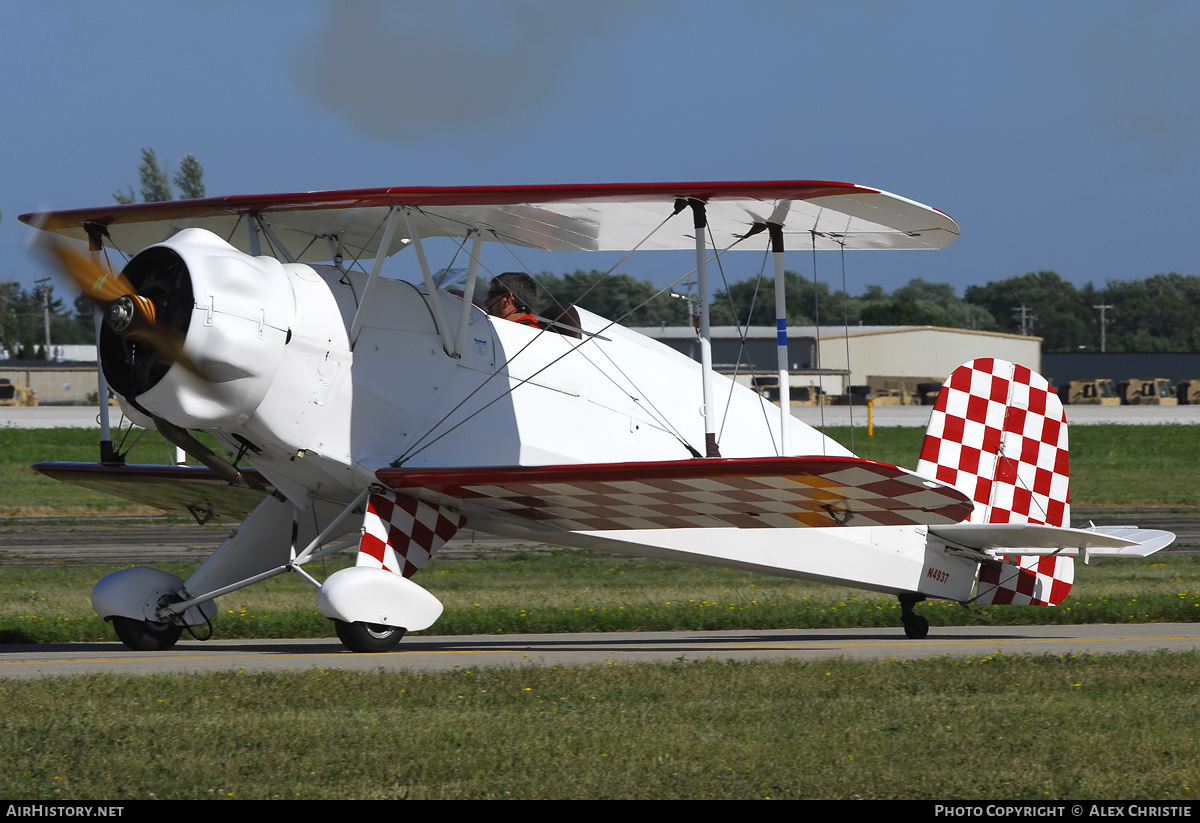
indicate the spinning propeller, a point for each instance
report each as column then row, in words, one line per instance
column 146, row 313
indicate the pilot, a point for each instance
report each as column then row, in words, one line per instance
column 511, row 296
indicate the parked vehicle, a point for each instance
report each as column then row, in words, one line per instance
column 1188, row 392
column 1090, row 393
column 1148, row 391
column 12, row 394
column 800, row 395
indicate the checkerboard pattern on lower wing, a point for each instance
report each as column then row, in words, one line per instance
column 401, row 533
column 998, row 433
column 780, row 493
column 1025, row 581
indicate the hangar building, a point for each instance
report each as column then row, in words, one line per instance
column 819, row 356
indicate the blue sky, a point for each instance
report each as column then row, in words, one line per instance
column 1060, row 135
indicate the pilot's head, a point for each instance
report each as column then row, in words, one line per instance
column 513, row 292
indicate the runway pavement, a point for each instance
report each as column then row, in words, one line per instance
column 918, row 416
column 53, row 417
column 447, row 653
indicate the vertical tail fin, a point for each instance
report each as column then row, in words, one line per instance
column 998, row 433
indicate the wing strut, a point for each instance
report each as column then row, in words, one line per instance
column 435, row 302
column 775, row 231
column 360, row 312
column 700, row 222
column 95, row 233
column 464, row 318
column 252, row 233
column 276, row 243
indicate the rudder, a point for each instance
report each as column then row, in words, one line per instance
column 998, row 433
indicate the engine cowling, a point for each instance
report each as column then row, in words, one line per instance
column 233, row 312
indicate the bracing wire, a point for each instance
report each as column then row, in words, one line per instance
column 742, row 349
column 233, row 231
column 120, row 449
column 307, row 246
column 603, row 276
column 266, row 236
column 418, row 446
column 660, row 418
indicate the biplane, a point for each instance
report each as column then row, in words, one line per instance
column 382, row 416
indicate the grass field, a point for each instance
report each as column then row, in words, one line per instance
column 1122, row 466
column 25, row 493
column 981, row 728
column 986, row 728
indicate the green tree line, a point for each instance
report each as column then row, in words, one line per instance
column 1156, row 314
column 23, row 312
column 22, row 321
column 156, row 183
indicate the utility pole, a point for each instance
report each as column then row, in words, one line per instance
column 693, row 308
column 1103, row 307
column 1026, row 317
column 46, row 310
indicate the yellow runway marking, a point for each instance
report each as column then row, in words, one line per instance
column 567, row 646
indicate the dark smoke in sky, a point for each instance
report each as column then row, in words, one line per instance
column 403, row 71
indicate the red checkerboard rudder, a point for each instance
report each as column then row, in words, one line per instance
column 1025, row 581
column 998, row 433
column 400, row 534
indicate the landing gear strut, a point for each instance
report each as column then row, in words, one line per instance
column 916, row 627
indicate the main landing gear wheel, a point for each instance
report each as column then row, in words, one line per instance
column 144, row 636
column 916, row 627
column 368, row 637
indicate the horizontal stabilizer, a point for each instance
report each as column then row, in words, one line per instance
column 1145, row 541
column 1016, row 539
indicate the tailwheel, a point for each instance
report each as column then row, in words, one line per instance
column 146, row 636
column 916, row 627
column 368, row 638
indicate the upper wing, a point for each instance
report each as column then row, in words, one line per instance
column 770, row 492
column 314, row 226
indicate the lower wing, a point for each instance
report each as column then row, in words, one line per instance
column 768, row 492
column 194, row 489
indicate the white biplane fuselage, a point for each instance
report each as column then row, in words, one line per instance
column 331, row 416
